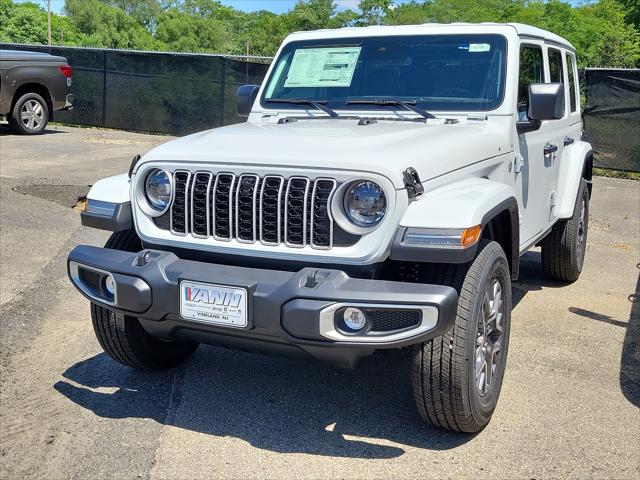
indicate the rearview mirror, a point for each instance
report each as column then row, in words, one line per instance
column 246, row 97
column 546, row 101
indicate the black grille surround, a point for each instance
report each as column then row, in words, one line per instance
column 272, row 210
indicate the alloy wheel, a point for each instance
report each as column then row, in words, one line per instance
column 489, row 337
column 581, row 231
column 32, row 114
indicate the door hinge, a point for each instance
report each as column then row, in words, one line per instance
column 552, row 199
column 518, row 163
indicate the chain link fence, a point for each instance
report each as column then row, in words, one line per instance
column 152, row 91
column 612, row 117
column 180, row 93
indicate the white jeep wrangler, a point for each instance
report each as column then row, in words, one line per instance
column 379, row 196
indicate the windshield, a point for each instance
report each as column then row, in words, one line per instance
column 437, row 72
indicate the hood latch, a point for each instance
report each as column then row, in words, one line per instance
column 412, row 182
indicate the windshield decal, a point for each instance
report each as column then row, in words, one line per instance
column 323, row 67
column 479, row 47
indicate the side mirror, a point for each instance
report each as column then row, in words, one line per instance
column 246, row 97
column 546, row 101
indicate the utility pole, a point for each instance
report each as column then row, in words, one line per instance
column 49, row 21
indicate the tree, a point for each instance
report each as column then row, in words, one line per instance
column 111, row 26
column 27, row 23
column 604, row 32
column 374, row 11
column 145, row 12
column 632, row 7
column 184, row 32
column 310, row 15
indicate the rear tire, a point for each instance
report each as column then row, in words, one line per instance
column 30, row 114
column 124, row 338
column 457, row 377
column 563, row 249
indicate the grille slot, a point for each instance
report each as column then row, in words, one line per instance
column 223, row 206
column 246, row 194
column 321, row 221
column 272, row 210
column 178, row 223
column 295, row 212
column 199, row 201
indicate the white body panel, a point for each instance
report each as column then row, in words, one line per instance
column 457, row 205
column 111, row 189
column 467, row 166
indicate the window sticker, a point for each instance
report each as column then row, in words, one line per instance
column 323, row 67
column 479, row 47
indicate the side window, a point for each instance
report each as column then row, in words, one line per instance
column 572, row 82
column 531, row 71
column 555, row 66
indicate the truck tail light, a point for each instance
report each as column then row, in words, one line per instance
column 66, row 70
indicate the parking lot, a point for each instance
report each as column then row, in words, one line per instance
column 569, row 405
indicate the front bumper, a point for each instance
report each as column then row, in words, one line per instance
column 290, row 313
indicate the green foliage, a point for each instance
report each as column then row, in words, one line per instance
column 188, row 32
column 632, row 9
column 374, row 12
column 27, row 23
column 110, row 26
column 604, row 32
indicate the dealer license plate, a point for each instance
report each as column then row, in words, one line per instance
column 215, row 304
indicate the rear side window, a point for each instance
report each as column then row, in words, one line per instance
column 531, row 71
column 572, row 83
column 555, row 66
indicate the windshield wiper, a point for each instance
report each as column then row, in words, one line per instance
column 409, row 104
column 305, row 101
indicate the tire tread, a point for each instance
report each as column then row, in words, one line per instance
column 123, row 338
column 439, row 366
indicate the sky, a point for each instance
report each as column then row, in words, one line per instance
column 276, row 6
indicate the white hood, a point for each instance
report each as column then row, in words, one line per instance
column 387, row 147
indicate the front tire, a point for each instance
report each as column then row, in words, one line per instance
column 30, row 114
column 457, row 377
column 124, row 338
column 563, row 249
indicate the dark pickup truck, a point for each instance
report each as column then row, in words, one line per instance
column 32, row 86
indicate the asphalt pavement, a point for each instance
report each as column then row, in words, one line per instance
column 570, row 403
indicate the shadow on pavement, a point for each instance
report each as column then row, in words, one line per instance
column 531, row 278
column 7, row 130
column 275, row 404
column 630, row 361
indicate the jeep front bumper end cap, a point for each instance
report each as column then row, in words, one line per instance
column 312, row 311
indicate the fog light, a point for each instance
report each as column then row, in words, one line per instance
column 110, row 284
column 354, row 318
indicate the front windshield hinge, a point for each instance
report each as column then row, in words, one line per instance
column 412, row 182
column 367, row 121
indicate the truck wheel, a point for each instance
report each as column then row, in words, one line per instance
column 564, row 247
column 124, row 338
column 457, row 377
column 30, row 114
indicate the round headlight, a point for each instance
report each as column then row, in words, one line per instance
column 157, row 188
column 365, row 203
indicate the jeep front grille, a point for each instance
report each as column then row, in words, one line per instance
column 271, row 209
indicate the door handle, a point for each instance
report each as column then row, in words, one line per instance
column 568, row 141
column 549, row 149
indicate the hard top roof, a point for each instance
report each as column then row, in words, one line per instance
column 443, row 28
